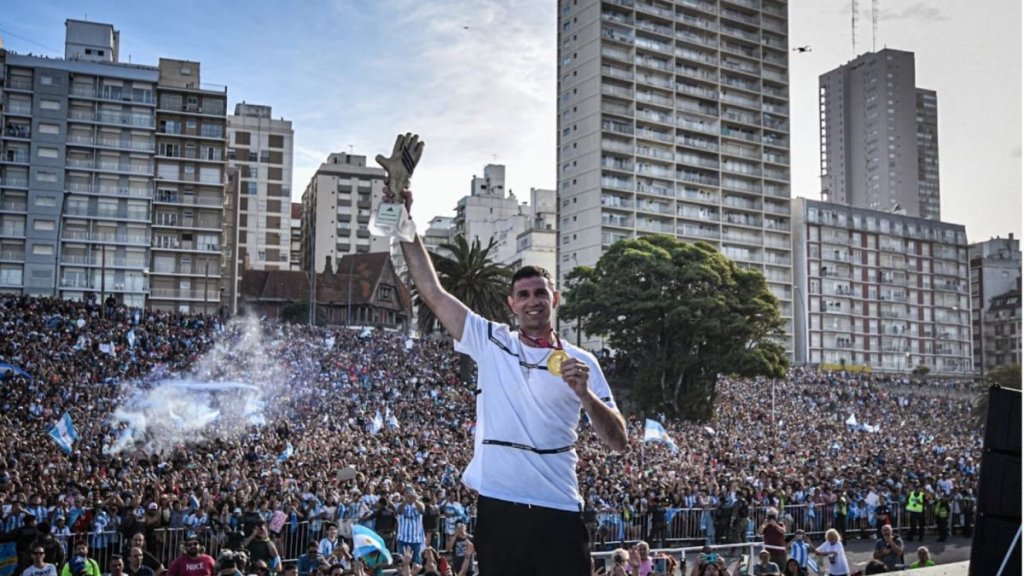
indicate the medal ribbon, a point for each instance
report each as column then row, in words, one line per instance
column 541, row 342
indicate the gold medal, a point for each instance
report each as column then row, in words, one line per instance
column 555, row 360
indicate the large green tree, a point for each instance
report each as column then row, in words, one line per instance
column 679, row 314
column 469, row 273
column 1007, row 376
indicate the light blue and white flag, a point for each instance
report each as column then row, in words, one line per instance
column 64, row 433
column 655, row 432
column 377, row 423
column 287, row 452
column 366, row 542
column 391, row 419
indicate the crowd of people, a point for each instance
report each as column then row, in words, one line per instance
column 359, row 423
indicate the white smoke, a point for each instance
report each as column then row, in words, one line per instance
column 223, row 398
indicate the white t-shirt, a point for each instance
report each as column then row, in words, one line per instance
column 836, row 564
column 526, row 419
column 46, row 570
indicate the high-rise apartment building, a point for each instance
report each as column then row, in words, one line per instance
column 188, row 207
column 1001, row 330
column 111, row 177
column 261, row 148
column 880, row 291
column 673, row 118
column 336, row 209
column 535, row 242
column 995, row 271
column 490, row 212
column 296, row 234
column 879, row 136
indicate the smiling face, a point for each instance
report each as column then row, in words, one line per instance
column 532, row 301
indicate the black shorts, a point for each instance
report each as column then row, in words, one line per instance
column 522, row 540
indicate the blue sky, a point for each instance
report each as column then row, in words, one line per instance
column 477, row 79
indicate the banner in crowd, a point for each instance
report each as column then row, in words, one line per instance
column 286, row 453
column 5, row 367
column 64, row 433
column 655, row 432
column 8, row 558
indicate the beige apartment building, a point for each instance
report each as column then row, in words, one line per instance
column 188, row 207
column 336, row 208
column 261, row 148
column 673, row 118
column 880, row 291
column 995, row 275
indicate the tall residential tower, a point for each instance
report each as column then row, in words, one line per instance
column 111, row 176
column 879, row 136
column 673, row 118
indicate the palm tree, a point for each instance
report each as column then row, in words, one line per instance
column 471, row 275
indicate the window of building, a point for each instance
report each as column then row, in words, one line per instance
column 51, row 129
column 44, row 225
column 48, row 104
column 44, row 152
column 43, row 249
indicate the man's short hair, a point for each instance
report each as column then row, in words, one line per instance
column 529, row 271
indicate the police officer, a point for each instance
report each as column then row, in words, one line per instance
column 915, row 508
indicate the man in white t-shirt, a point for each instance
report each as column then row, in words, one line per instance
column 531, row 389
column 39, row 565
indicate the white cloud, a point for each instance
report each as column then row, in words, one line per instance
column 475, row 79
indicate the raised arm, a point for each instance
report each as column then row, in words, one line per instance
column 399, row 166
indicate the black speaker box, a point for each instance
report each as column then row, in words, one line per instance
column 998, row 522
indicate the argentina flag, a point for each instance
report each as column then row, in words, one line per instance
column 655, row 432
column 366, row 542
column 64, row 433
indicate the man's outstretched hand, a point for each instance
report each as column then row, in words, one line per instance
column 400, row 165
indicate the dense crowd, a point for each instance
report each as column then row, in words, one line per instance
column 354, row 419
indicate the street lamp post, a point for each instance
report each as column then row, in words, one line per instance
column 103, row 281
column 206, row 287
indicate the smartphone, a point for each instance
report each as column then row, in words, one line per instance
column 600, row 563
column 660, row 565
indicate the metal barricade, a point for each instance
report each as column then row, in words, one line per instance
column 683, row 526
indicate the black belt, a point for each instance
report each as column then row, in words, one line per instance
column 518, row 446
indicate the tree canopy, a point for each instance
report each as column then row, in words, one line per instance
column 1007, row 376
column 470, row 274
column 678, row 314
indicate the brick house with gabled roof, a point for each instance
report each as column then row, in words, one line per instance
column 362, row 290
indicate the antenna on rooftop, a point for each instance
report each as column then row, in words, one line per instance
column 874, row 23
column 853, row 25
